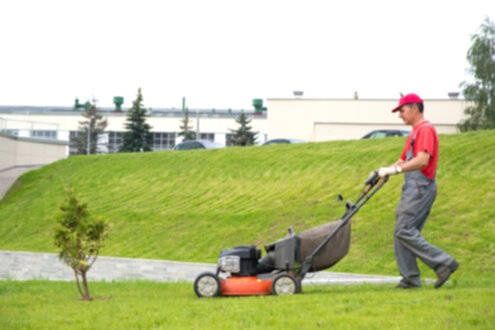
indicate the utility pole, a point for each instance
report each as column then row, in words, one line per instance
column 197, row 124
column 88, row 133
column 186, row 123
column 90, row 122
column 88, row 139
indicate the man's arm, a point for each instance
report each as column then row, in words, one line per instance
column 416, row 163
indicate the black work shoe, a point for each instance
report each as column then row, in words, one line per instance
column 406, row 285
column 444, row 272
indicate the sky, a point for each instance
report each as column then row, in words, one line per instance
column 223, row 53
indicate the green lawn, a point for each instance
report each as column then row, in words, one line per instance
column 190, row 205
column 142, row 305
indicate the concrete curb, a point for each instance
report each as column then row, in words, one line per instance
column 24, row 266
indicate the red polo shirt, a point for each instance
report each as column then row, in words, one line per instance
column 425, row 139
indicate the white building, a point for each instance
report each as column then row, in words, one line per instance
column 341, row 119
column 62, row 123
column 296, row 118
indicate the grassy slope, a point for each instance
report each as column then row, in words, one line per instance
column 190, row 205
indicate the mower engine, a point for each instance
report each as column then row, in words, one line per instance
column 240, row 260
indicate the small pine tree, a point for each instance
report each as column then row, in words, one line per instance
column 138, row 136
column 243, row 136
column 185, row 129
column 80, row 239
column 94, row 125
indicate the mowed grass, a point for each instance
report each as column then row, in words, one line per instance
column 189, row 205
column 144, row 305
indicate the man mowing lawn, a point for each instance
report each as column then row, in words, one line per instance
column 418, row 161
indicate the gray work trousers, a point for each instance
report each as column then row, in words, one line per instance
column 418, row 195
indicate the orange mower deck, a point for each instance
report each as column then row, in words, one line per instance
column 245, row 286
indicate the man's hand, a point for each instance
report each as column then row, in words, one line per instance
column 390, row 170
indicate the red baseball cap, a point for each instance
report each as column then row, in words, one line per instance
column 408, row 99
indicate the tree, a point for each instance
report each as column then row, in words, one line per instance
column 79, row 238
column 185, row 130
column 243, row 136
column 481, row 92
column 93, row 126
column 138, row 136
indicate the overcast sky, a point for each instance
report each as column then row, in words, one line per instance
column 223, row 53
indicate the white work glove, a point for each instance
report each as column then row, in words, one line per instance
column 389, row 170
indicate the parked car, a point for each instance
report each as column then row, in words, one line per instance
column 282, row 141
column 382, row 133
column 197, row 144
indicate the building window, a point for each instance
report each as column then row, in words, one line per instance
column 163, row 140
column 115, row 141
column 228, row 139
column 13, row 132
column 73, row 141
column 207, row 136
column 44, row 134
column 80, row 139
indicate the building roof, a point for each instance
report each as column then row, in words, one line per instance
column 30, row 139
column 359, row 99
column 152, row 112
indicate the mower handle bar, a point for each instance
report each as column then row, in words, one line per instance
column 372, row 185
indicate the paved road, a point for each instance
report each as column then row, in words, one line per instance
column 9, row 175
column 28, row 265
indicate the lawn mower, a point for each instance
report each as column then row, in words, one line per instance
column 242, row 271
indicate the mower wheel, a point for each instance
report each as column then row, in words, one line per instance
column 285, row 284
column 207, row 285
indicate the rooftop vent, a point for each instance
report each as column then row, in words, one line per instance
column 453, row 95
column 258, row 106
column 298, row 94
column 118, row 101
column 78, row 105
